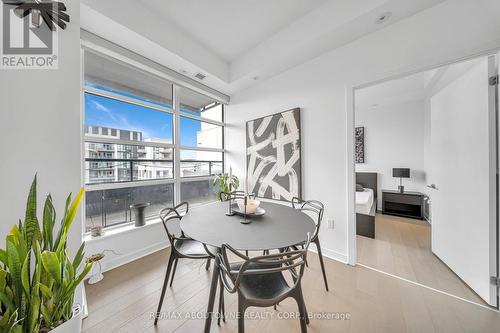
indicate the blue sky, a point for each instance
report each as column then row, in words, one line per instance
column 106, row 112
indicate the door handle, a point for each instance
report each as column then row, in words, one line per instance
column 433, row 186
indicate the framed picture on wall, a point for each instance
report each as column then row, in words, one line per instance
column 359, row 143
column 273, row 153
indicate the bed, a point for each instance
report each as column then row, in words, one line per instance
column 366, row 204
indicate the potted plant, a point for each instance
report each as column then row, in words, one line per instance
column 37, row 277
column 225, row 182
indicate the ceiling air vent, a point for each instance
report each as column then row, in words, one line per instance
column 200, row 76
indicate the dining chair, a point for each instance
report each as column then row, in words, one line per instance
column 181, row 246
column 261, row 281
column 315, row 208
column 226, row 196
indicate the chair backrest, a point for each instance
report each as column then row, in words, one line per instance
column 226, row 196
column 310, row 206
column 170, row 218
column 292, row 262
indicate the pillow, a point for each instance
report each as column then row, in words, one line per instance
column 359, row 188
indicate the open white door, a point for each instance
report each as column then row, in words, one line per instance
column 463, row 169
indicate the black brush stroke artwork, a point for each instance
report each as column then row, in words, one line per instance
column 51, row 11
column 359, row 138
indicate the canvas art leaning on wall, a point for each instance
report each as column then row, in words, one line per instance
column 274, row 156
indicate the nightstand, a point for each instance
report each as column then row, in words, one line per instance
column 406, row 204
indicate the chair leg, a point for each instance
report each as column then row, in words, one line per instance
column 296, row 249
column 241, row 317
column 173, row 271
column 318, row 246
column 305, row 307
column 223, row 307
column 304, row 320
column 165, row 282
column 221, row 303
column 207, row 265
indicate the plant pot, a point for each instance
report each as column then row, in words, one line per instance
column 139, row 211
column 74, row 325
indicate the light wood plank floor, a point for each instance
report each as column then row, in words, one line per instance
column 402, row 247
column 375, row 302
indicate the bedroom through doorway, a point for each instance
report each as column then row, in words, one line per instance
column 426, row 186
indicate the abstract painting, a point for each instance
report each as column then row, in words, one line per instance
column 274, row 157
column 359, row 142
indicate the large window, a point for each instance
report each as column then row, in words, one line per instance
column 143, row 145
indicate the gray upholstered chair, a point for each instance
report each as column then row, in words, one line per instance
column 261, row 281
column 181, row 246
column 315, row 208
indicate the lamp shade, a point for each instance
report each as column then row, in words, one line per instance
column 401, row 172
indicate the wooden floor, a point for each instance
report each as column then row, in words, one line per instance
column 403, row 247
column 373, row 302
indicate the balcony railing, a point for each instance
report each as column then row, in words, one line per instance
column 109, row 207
column 114, row 170
column 112, row 206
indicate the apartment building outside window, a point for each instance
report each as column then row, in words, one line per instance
column 145, row 140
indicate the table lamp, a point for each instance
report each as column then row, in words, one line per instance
column 401, row 173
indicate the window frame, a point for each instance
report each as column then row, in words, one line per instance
column 176, row 113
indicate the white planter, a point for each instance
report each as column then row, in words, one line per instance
column 74, row 325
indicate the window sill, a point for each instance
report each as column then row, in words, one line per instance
column 119, row 230
column 129, row 227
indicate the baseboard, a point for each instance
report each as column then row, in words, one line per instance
column 132, row 256
column 337, row 256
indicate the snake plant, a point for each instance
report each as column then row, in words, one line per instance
column 37, row 277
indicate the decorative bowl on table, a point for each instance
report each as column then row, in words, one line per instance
column 252, row 207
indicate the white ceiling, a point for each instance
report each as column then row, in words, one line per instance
column 393, row 92
column 231, row 27
column 235, row 42
column 411, row 88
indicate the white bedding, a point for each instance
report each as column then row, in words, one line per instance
column 364, row 201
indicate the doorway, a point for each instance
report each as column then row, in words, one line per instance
column 425, row 178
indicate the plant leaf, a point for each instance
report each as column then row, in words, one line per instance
column 78, row 257
column 61, row 228
column 3, row 256
column 25, row 275
column 15, row 267
column 34, row 309
column 52, row 265
column 49, row 219
column 7, row 301
column 31, row 226
column 69, row 219
column 46, row 292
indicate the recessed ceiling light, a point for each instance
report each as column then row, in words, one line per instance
column 383, row 17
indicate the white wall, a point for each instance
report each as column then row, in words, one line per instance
column 444, row 33
column 40, row 132
column 394, row 138
column 128, row 245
